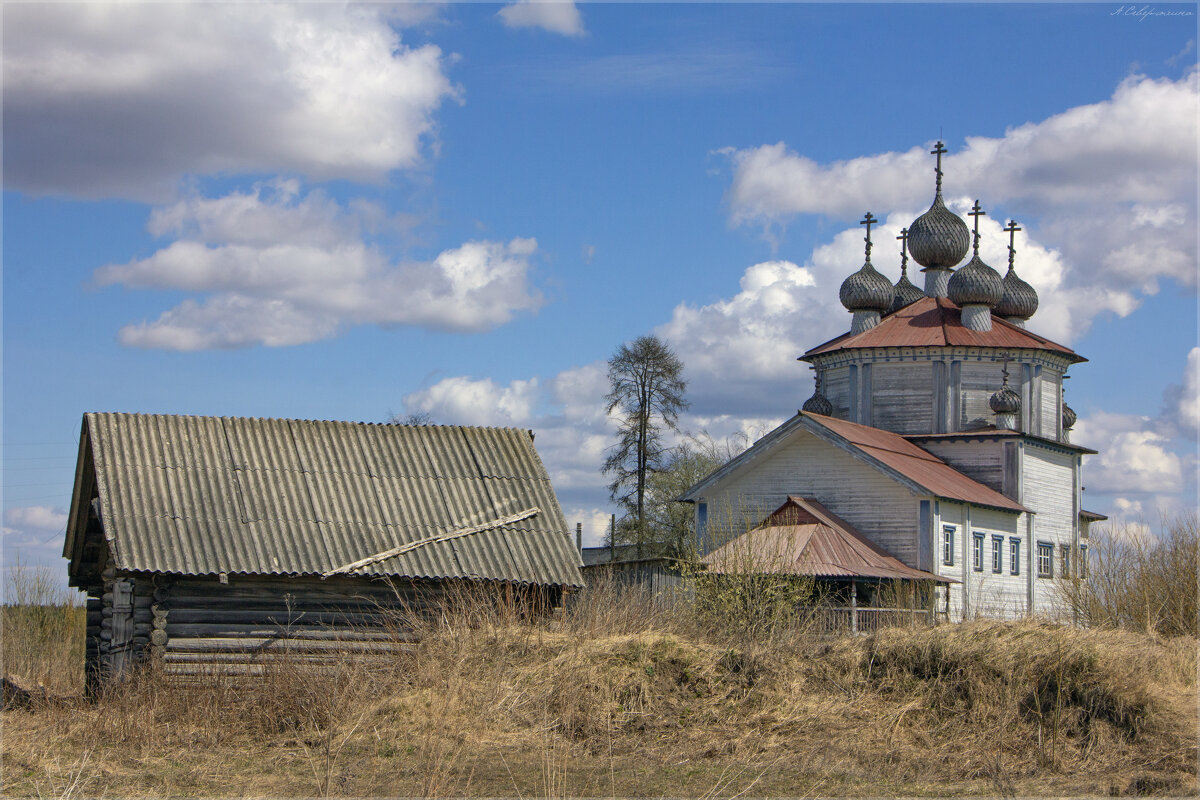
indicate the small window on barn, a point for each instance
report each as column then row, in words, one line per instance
column 1014, row 556
column 948, row 545
column 977, row 552
column 997, row 554
column 1045, row 560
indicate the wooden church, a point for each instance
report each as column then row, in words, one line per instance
column 937, row 429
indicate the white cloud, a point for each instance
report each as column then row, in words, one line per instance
column 33, row 536
column 1183, row 400
column 106, row 100
column 1133, row 456
column 37, row 518
column 283, row 268
column 463, row 401
column 556, row 16
column 1107, row 189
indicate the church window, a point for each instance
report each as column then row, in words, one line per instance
column 1014, row 556
column 1066, row 560
column 948, row 545
column 1045, row 560
column 977, row 553
column 997, row 554
column 1083, row 564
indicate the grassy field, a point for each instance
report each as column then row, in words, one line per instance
column 615, row 699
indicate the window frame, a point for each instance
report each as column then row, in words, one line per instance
column 948, row 534
column 977, row 552
column 997, row 554
column 1064, row 555
column 1045, row 559
column 1014, row 555
column 1083, row 561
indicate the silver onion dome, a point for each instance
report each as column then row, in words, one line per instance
column 938, row 239
column 1068, row 417
column 975, row 284
column 818, row 403
column 1004, row 400
column 1020, row 300
column 866, row 290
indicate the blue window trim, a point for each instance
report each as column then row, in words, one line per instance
column 948, row 532
column 1014, row 555
column 1045, row 554
column 977, row 552
column 997, row 554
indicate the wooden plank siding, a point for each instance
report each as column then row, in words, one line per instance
column 808, row 467
column 1049, row 490
column 835, row 384
column 902, row 397
column 977, row 382
column 984, row 461
column 981, row 592
column 1050, row 416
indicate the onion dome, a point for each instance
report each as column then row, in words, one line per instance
column 1020, row 300
column 938, row 239
column 866, row 290
column 818, row 403
column 976, row 283
column 905, row 292
column 1005, row 400
column 1068, row 417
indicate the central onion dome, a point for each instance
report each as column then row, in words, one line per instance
column 1020, row 300
column 904, row 293
column 938, row 239
column 1068, row 417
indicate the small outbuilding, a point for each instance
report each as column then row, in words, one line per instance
column 207, row 541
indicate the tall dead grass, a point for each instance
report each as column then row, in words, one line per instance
column 42, row 630
column 614, row 694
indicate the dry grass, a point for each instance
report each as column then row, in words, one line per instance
column 613, row 697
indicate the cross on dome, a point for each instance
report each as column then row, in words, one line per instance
column 976, row 212
column 1012, row 229
column 937, row 150
column 868, row 220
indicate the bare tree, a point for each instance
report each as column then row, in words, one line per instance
column 647, row 389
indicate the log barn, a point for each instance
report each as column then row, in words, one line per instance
column 206, row 542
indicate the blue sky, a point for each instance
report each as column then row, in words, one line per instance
column 463, row 209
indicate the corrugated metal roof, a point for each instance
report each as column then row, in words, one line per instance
column 802, row 537
column 936, row 322
column 206, row 495
column 919, row 466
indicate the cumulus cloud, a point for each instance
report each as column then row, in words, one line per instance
column 34, row 534
column 1182, row 401
column 1108, row 188
column 1134, row 456
column 280, row 267
column 463, row 401
column 108, row 100
column 556, row 16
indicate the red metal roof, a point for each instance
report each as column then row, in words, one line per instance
column 919, row 466
column 802, row 537
column 936, row 322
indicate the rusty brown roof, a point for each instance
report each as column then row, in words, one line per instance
column 919, row 466
column 936, row 322
column 992, row 432
column 803, row 537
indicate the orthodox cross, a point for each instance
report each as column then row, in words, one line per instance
column 903, row 237
column 1004, row 369
column 977, row 212
column 868, row 220
column 1012, row 229
column 937, row 150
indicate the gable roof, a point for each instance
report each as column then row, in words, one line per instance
column 889, row 452
column 937, row 322
column 803, row 537
column 210, row 495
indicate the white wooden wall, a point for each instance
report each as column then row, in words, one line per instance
column 902, row 398
column 880, row 507
column 982, row 593
column 1050, row 489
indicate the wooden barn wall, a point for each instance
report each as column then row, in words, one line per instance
column 198, row 625
column 835, row 384
column 983, row 461
column 977, row 382
column 902, row 398
column 880, row 507
column 1049, row 490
